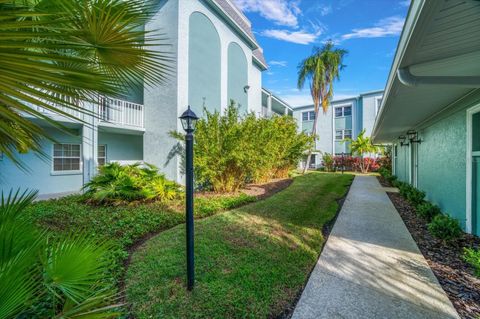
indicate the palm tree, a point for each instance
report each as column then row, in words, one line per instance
column 360, row 146
column 321, row 69
column 59, row 54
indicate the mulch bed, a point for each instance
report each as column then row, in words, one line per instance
column 454, row 274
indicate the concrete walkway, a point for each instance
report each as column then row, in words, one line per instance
column 371, row 267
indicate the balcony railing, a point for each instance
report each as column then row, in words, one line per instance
column 121, row 112
column 75, row 113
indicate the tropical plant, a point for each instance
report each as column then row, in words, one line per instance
column 472, row 256
column 321, row 69
column 360, row 146
column 231, row 150
column 61, row 54
column 445, row 228
column 116, row 183
column 64, row 274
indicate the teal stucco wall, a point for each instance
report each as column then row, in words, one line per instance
column 122, row 147
column 39, row 175
column 442, row 159
column 203, row 65
column 237, row 77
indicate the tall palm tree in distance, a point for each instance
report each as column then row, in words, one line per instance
column 321, row 69
column 58, row 54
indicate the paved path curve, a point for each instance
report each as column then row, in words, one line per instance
column 371, row 267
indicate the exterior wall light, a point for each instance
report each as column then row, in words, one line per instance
column 402, row 139
column 413, row 137
column 189, row 120
column 246, row 88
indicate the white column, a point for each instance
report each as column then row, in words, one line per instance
column 90, row 143
column 286, row 110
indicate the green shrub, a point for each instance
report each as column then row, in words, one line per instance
column 472, row 256
column 415, row 196
column 428, row 211
column 445, row 228
column 231, row 150
column 328, row 162
column 126, row 183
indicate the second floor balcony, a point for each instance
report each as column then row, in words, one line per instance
column 121, row 113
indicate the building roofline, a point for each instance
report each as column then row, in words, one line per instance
column 288, row 106
column 356, row 97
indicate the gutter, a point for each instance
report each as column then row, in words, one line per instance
column 408, row 79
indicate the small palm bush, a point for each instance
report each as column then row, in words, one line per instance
column 445, row 228
column 328, row 162
column 117, row 183
column 62, row 274
column 428, row 211
column 472, row 256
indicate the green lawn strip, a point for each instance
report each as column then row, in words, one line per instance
column 250, row 262
column 123, row 225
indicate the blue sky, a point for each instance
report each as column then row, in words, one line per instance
column 289, row 29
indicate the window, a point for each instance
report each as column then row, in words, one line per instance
column 313, row 161
column 343, row 111
column 308, row 116
column 347, row 134
column 66, row 157
column 339, row 134
column 102, row 155
column 343, row 134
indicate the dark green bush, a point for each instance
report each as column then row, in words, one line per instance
column 415, row 196
column 126, row 183
column 428, row 211
column 445, row 228
column 472, row 256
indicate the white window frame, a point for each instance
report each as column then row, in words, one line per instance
column 71, row 172
column 98, row 156
column 469, row 155
column 343, row 110
column 343, row 134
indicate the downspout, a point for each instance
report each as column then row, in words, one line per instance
column 408, row 79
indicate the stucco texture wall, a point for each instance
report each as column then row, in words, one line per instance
column 203, row 64
column 237, row 77
column 442, row 164
column 122, row 147
column 39, row 175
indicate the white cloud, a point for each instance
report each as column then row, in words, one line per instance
column 281, row 12
column 300, row 37
column 405, row 3
column 325, row 10
column 386, row 27
column 278, row 63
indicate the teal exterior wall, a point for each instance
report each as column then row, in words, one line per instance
column 203, row 65
column 39, row 175
column 442, row 166
column 237, row 76
column 122, row 147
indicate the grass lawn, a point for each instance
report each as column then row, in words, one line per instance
column 123, row 225
column 251, row 262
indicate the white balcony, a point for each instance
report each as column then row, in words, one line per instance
column 119, row 112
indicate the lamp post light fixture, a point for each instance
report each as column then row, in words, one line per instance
column 189, row 119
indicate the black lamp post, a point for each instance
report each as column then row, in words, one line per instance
column 189, row 119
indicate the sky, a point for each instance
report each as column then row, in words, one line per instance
column 288, row 30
